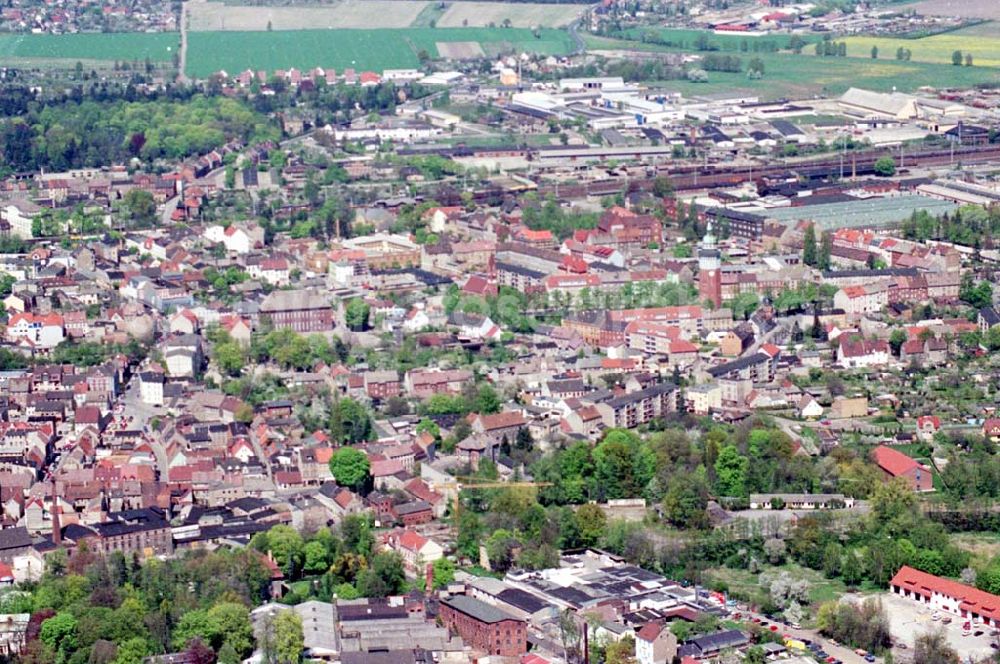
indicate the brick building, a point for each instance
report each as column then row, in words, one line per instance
column 485, row 627
column 142, row 531
column 299, row 310
column 382, row 384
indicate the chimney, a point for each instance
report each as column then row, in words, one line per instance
column 429, row 583
column 56, row 525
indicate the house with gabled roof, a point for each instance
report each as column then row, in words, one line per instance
column 895, row 464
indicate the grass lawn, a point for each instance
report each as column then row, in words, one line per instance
column 375, row 50
column 821, row 589
column 134, row 46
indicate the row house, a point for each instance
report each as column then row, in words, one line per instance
column 940, row 594
column 862, row 300
column 381, row 384
column 424, row 383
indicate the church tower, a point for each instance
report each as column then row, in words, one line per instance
column 709, row 269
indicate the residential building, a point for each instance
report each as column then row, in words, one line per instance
column 655, row 644
column 894, row 463
column 417, row 551
column 639, row 407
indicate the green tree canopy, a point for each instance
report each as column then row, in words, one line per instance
column 350, row 467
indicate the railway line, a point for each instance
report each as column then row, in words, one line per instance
column 690, row 177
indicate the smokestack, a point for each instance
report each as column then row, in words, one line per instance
column 429, row 583
column 56, row 525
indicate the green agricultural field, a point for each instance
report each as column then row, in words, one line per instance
column 937, row 48
column 374, row 50
column 685, row 38
column 790, row 75
column 158, row 47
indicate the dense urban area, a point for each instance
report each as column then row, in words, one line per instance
column 440, row 332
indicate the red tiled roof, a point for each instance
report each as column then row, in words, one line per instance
column 501, row 421
column 893, row 462
column 412, row 541
column 649, row 632
column 971, row 599
column 929, row 419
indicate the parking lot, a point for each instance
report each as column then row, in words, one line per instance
column 908, row 620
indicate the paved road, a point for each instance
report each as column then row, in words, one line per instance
column 846, row 655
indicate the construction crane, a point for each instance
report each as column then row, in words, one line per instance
column 479, row 483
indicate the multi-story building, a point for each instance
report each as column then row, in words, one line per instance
column 860, row 300
column 141, row 531
column 381, row 384
column 639, row 407
column 895, row 464
column 484, row 627
column 758, row 368
column 299, row 310
column 423, row 383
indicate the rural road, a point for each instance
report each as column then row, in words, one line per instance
column 182, row 56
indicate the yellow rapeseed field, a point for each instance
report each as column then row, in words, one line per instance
column 938, row 48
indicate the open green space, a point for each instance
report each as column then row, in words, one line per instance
column 744, row 582
column 376, row 50
column 686, row 38
column 983, row 546
column 158, row 47
column 790, row 75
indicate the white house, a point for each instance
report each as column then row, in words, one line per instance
column 853, row 354
column 416, row 319
column 20, row 214
column 809, row 408
column 37, row 331
column 473, row 326
column 151, row 387
column 236, row 239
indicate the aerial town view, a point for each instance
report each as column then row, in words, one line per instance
column 499, row 332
